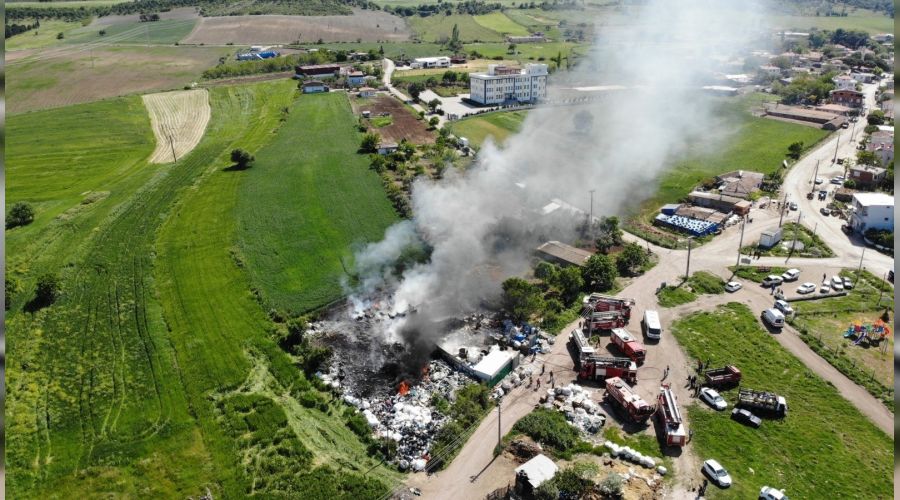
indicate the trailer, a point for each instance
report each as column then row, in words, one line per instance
column 623, row 397
column 605, row 367
column 629, row 345
column 726, row 376
column 582, row 347
column 763, row 402
column 601, row 303
column 670, row 419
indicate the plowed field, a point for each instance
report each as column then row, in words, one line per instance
column 179, row 120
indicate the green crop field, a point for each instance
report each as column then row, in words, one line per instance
column 165, row 32
column 44, row 36
column 525, row 52
column 437, row 28
column 860, row 19
column 824, row 448
column 301, row 214
column 499, row 125
column 499, row 22
column 142, row 379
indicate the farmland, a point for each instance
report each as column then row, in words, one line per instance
column 498, row 125
column 368, row 26
column 76, row 76
column 163, row 32
column 499, row 22
column 402, row 125
column 179, row 120
column 137, row 405
column 300, row 215
column 808, row 431
column 525, row 52
column 859, row 19
column 45, row 36
column 437, row 28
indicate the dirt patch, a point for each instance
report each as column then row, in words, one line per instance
column 404, row 124
column 365, row 25
column 76, row 76
column 179, row 120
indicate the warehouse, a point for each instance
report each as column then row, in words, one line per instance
column 562, row 254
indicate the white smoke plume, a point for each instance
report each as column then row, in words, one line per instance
column 484, row 224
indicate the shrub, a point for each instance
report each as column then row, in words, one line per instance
column 549, row 428
column 48, row 288
column 19, row 215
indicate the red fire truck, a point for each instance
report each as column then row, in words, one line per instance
column 604, row 303
column 670, row 419
column 629, row 345
column 604, row 367
column 620, row 395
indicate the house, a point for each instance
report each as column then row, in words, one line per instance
column 872, row 211
column 387, row 148
column 740, row 183
column 838, row 109
column 534, row 473
column 431, row 62
column 867, row 176
column 367, row 92
column 318, row 71
column 844, row 82
column 505, row 83
column 821, row 119
column 562, row 254
column 851, row 98
column 770, row 70
column 720, row 202
column 863, row 77
column 314, row 87
column 356, row 78
column 882, row 144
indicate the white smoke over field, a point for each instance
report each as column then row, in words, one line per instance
column 484, row 224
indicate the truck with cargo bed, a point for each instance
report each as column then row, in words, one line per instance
column 726, row 376
column 766, row 403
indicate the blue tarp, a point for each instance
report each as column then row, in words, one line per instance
column 687, row 224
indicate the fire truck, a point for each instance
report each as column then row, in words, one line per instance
column 606, row 320
column 604, row 367
column 604, row 303
column 623, row 397
column 670, row 419
column 582, row 347
column 629, row 345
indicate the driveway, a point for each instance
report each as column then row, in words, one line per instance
column 387, row 67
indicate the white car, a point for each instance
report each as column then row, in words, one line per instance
column 847, row 283
column 713, row 398
column 784, row 307
column 819, row 180
column 770, row 493
column 717, row 473
column 837, row 283
column 732, row 286
column 826, row 288
column 791, row 275
column 772, row 279
column 806, row 288
column 837, row 181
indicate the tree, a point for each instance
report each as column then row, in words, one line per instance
column 48, row 289
column 433, row 104
column 795, row 149
column 381, row 50
column 370, row 143
column 242, row 159
column 454, row 43
column 415, row 89
column 433, row 122
column 546, row 271
column 600, row 272
column 631, row 258
column 867, row 158
column 449, row 76
column 60, row 36
column 570, row 283
column 547, row 491
column 609, row 234
column 511, row 49
column 876, row 117
column 521, row 299
column 20, row 214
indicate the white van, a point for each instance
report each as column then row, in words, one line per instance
column 773, row 317
column 651, row 324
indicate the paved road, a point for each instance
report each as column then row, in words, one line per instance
column 388, row 69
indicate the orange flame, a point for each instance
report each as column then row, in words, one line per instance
column 403, row 389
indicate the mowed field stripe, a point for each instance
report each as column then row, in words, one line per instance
column 179, row 120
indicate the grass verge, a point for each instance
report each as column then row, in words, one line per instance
column 813, row 245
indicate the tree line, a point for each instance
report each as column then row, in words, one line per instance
column 15, row 29
column 470, row 7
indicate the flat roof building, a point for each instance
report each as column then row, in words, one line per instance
column 509, row 84
column 566, row 255
column 872, row 211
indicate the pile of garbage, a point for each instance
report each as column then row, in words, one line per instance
column 408, row 417
column 634, row 456
column 576, row 404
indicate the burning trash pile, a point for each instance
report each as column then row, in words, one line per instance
column 576, row 404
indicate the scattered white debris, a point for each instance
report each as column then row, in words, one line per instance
column 628, row 453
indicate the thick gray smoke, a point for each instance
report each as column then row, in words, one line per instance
column 484, row 224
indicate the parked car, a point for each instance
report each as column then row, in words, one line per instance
column 713, row 398
column 823, row 194
column 773, row 317
column 732, row 286
column 794, row 205
column 837, row 181
column 716, row 473
column 806, row 288
column 772, row 279
column 847, row 283
column 819, row 180
column 745, row 417
column 791, row 275
column 784, row 307
column 770, row 493
column 837, row 283
column 825, row 211
column 891, row 276
column 825, row 288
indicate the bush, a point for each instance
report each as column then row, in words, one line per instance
column 241, row 158
column 48, row 289
column 549, row 428
column 612, row 486
column 19, row 215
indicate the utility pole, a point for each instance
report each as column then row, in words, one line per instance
column 859, row 269
column 881, row 292
column 499, row 414
column 815, row 228
column 836, row 144
column 172, row 145
column 815, row 176
column 741, row 241
column 783, row 208
column 687, row 272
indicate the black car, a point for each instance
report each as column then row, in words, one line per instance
column 746, row 418
column 891, row 276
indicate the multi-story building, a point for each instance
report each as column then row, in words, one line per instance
column 506, row 83
column 872, row 211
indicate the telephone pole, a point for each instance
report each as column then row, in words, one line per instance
column 859, row 269
column 783, row 208
column 741, row 241
column 687, row 272
column 836, row 144
column 499, row 413
column 815, row 176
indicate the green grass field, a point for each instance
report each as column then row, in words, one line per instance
column 824, row 448
column 45, row 36
column 300, row 215
column 499, row 22
column 164, row 32
column 437, row 28
column 137, row 381
column 859, row 19
column 498, row 125
column 525, row 52
column 391, row 50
